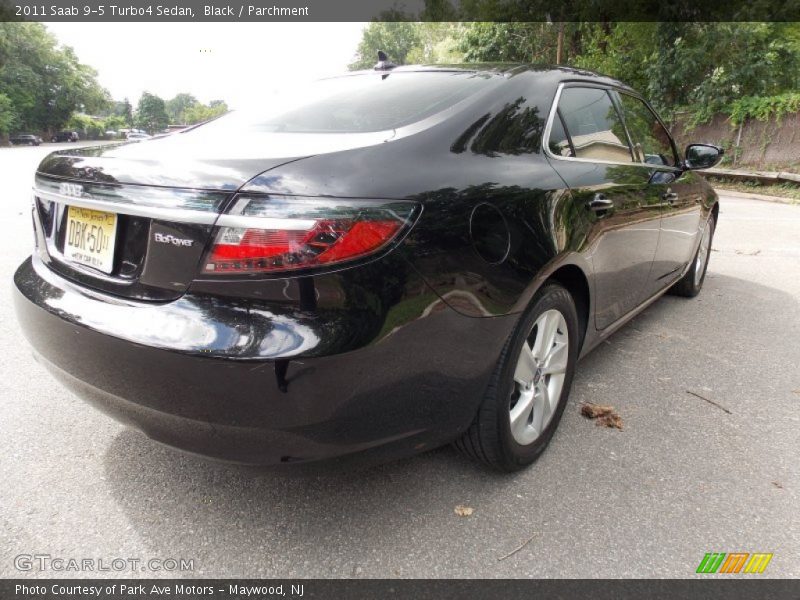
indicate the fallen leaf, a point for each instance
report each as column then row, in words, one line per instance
column 612, row 420
column 606, row 415
column 463, row 511
column 796, row 392
column 592, row 411
column 777, row 485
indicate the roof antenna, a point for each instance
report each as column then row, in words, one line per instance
column 384, row 64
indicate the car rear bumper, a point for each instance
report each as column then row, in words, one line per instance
column 164, row 369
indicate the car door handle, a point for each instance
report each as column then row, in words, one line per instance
column 600, row 203
column 669, row 196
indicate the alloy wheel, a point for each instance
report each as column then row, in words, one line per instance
column 539, row 377
column 702, row 254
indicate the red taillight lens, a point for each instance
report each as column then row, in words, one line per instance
column 269, row 234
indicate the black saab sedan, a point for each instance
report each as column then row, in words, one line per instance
column 387, row 262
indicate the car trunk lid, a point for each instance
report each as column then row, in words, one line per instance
column 161, row 198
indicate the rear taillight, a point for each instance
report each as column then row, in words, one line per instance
column 273, row 234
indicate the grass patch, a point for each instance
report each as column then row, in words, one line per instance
column 781, row 190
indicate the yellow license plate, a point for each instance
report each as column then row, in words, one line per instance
column 90, row 238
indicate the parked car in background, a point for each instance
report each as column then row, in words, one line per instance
column 391, row 261
column 65, row 136
column 25, row 139
column 137, row 137
column 174, row 129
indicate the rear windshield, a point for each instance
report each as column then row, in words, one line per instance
column 363, row 103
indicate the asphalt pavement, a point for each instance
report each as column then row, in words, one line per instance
column 707, row 461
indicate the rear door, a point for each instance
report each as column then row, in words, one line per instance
column 589, row 147
column 680, row 193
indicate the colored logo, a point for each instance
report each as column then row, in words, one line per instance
column 734, row 562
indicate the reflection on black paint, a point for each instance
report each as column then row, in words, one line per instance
column 308, row 294
column 460, row 145
column 514, row 130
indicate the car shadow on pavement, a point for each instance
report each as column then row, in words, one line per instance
column 243, row 521
column 248, row 521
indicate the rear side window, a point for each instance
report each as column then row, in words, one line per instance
column 595, row 128
column 362, row 103
column 559, row 141
column 651, row 142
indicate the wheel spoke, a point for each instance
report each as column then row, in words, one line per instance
column 556, row 361
column 521, row 413
column 526, row 366
column 545, row 334
column 541, row 407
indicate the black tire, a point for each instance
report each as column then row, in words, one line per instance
column 489, row 438
column 689, row 285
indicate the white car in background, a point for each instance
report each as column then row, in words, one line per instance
column 136, row 137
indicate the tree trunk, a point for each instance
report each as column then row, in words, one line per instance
column 560, row 43
column 606, row 28
column 575, row 47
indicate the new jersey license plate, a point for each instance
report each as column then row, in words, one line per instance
column 90, row 238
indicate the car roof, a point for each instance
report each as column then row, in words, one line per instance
column 509, row 70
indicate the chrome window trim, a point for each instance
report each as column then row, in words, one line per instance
column 153, row 212
column 553, row 114
column 676, row 155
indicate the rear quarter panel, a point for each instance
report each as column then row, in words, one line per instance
column 488, row 154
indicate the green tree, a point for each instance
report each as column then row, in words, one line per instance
column 151, row 113
column 114, row 123
column 89, row 128
column 396, row 38
column 508, row 42
column 8, row 118
column 438, row 43
column 123, row 110
column 621, row 50
column 705, row 66
column 44, row 82
column 73, row 87
column 198, row 113
column 177, row 106
column 709, row 65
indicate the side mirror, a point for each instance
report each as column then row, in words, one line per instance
column 702, row 156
